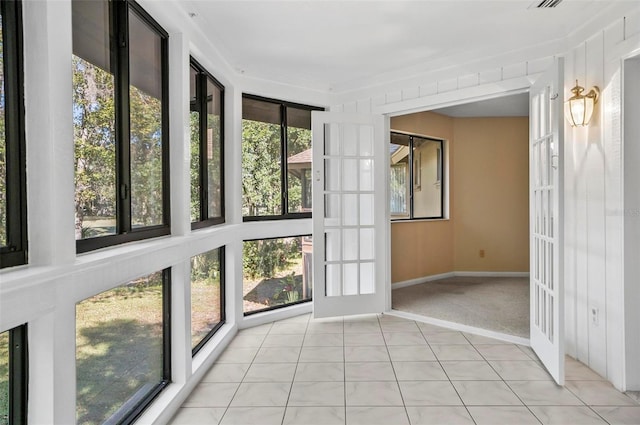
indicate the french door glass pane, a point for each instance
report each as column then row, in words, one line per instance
column 145, row 94
column 119, row 347
column 214, row 149
column 261, row 158
column 93, row 120
column 299, row 159
column 194, row 131
column 206, row 302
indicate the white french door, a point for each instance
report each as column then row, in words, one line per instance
column 546, row 167
column 349, row 232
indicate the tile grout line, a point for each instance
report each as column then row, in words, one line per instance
column 394, row 369
column 447, row 375
column 293, row 378
column 505, row 382
column 245, row 373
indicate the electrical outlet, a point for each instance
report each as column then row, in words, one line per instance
column 482, row 253
column 595, row 316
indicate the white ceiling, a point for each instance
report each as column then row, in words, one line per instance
column 342, row 45
column 515, row 105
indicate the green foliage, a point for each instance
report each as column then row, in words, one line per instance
column 95, row 150
column 263, row 258
column 206, row 267
column 3, row 150
column 261, row 184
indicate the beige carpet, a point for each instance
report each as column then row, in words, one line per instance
column 499, row 304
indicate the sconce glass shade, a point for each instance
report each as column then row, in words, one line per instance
column 578, row 109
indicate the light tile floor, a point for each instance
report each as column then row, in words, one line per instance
column 386, row 370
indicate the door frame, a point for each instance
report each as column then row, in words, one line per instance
column 459, row 97
column 631, row 224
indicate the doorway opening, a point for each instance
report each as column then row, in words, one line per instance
column 469, row 267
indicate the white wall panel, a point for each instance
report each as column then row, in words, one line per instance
column 448, row 85
column 595, row 231
column 428, row 89
column 514, row 70
column 410, row 93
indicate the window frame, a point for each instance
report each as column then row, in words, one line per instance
column 411, row 182
column 223, row 316
column 284, row 175
column 119, row 28
column 18, row 374
column 279, row 306
column 132, row 408
column 202, row 77
column 15, row 251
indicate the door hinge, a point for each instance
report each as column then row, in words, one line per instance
column 554, row 96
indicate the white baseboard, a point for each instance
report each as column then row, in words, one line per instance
column 491, row 274
column 420, row 280
column 462, row 328
column 431, row 278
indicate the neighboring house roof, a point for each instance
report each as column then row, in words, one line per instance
column 303, row 157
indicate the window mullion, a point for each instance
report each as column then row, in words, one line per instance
column 16, row 235
column 123, row 150
column 166, row 325
column 201, row 100
column 18, row 375
column 283, row 160
column 411, row 177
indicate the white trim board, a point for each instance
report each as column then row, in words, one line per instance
column 431, row 278
column 460, row 327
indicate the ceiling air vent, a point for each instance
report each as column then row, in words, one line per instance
column 545, row 4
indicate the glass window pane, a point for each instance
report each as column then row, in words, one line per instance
column 119, row 348
column 276, row 272
column 4, row 378
column 3, row 160
column 261, row 158
column 194, row 131
column 427, row 183
column 299, row 159
column 214, row 148
column 206, row 294
column 399, row 175
column 145, row 96
column 93, row 120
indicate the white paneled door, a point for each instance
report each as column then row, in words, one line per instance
column 546, row 193
column 349, row 232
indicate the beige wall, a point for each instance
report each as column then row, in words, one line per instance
column 491, row 194
column 422, row 248
column 489, row 204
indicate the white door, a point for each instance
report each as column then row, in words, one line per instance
column 545, row 201
column 349, row 232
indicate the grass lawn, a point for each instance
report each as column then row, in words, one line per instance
column 118, row 347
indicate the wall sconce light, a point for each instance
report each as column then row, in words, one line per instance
column 578, row 109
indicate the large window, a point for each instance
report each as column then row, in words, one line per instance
column 120, row 124
column 13, row 212
column 416, row 177
column 207, row 296
column 122, row 350
column 276, row 273
column 207, row 148
column 13, row 376
column 276, row 159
